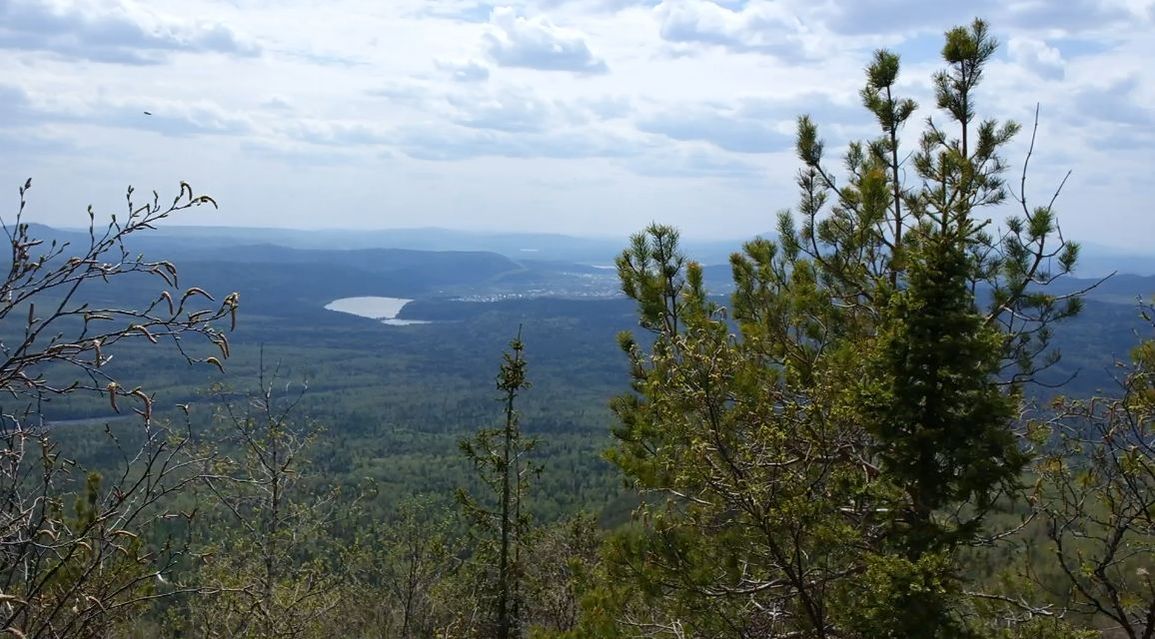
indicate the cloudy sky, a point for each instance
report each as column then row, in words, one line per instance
column 578, row 116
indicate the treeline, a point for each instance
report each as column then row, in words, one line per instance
column 846, row 449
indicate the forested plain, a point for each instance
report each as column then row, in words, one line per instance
column 901, row 413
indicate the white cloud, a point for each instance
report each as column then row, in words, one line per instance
column 696, row 163
column 277, row 103
column 330, row 133
column 383, row 113
column 112, row 31
column 449, row 143
column 465, row 70
column 163, row 116
column 756, row 26
column 536, row 43
column 722, row 128
column 1037, row 56
column 506, row 110
column 1115, row 102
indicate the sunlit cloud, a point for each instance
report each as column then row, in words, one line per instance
column 424, row 111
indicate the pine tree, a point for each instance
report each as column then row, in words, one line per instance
column 816, row 473
column 499, row 457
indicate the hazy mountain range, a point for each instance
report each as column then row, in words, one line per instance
column 1096, row 260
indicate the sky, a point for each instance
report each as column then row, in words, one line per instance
column 588, row 117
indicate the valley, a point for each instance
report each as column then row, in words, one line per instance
column 398, row 349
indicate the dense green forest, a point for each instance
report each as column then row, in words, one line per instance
column 891, row 417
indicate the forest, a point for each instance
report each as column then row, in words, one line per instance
column 899, row 415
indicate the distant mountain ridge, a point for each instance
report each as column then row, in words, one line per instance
column 1096, row 260
column 478, row 282
column 538, row 246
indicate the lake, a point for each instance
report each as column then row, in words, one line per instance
column 384, row 309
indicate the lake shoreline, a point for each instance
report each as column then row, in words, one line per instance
column 382, row 309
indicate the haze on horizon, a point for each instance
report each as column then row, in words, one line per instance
column 583, row 117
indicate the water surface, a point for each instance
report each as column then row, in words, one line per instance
column 384, row 309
